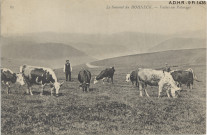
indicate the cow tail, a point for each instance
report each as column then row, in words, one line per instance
column 194, row 76
column 137, row 79
column 22, row 68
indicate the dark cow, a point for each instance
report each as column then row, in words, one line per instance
column 156, row 78
column 132, row 77
column 8, row 77
column 107, row 73
column 40, row 76
column 84, row 78
column 184, row 77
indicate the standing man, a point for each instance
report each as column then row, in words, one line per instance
column 67, row 70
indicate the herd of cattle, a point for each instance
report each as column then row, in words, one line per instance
column 169, row 81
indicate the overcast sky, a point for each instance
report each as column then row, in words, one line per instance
column 91, row 16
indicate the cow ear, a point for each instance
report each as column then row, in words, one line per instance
column 51, row 84
column 61, row 83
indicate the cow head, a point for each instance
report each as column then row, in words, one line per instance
column 84, row 85
column 57, row 86
column 168, row 79
column 95, row 81
column 20, row 79
column 113, row 68
column 127, row 77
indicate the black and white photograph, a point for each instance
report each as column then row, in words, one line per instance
column 97, row 67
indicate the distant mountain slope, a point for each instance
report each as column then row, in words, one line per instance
column 179, row 43
column 40, row 51
column 157, row 59
column 102, row 46
column 99, row 46
column 47, row 54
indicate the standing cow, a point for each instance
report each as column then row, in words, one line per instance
column 84, row 78
column 156, row 78
column 8, row 77
column 105, row 74
column 40, row 76
column 184, row 77
column 132, row 77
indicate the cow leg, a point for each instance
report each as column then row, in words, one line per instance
column 181, row 86
column 146, row 92
column 168, row 94
column 188, row 85
column 27, row 90
column 43, row 86
column 28, row 86
column 30, row 91
column 112, row 80
column 140, row 90
column 8, row 92
column 160, row 91
column 3, row 83
column 108, row 79
column 8, row 87
column 137, row 85
column 51, row 91
column 103, row 80
column 173, row 93
column 192, row 85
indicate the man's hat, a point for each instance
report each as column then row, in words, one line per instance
column 67, row 60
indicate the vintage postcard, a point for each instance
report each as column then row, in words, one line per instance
column 103, row 67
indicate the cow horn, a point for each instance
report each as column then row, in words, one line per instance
column 61, row 83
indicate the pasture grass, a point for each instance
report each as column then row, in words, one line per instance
column 106, row 109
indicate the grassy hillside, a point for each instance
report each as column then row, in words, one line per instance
column 106, row 109
column 110, row 108
column 158, row 59
column 179, row 43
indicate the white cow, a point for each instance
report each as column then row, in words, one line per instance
column 156, row 78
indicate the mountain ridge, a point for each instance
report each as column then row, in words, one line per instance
column 108, row 45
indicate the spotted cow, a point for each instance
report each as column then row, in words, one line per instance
column 8, row 77
column 40, row 76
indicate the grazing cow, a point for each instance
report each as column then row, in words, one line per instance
column 40, row 76
column 84, row 78
column 132, row 77
column 107, row 73
column 156, row 78
column 184, row 77
column 8, row 77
